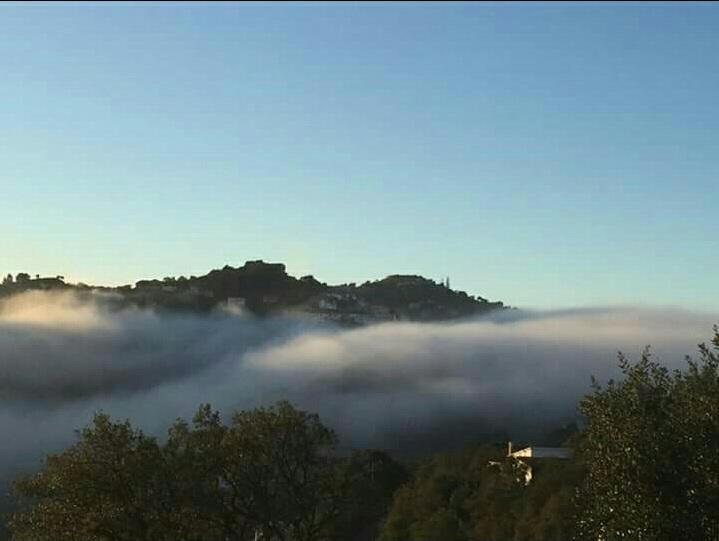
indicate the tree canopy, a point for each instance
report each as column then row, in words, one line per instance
column 478, row 495
column 650, row 451
column 270, row 473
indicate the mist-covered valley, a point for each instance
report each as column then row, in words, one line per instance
column 408, row 388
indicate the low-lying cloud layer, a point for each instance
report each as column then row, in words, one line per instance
column 399, row 386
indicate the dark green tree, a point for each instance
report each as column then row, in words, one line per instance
column 480, row 495
column 279, row 473
column 270, row 473
column 108, row 486
column 372, row 477
column 650, row 452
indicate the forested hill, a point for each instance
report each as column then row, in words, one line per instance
column 265, row 288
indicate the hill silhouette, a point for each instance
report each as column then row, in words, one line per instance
column 263, row 289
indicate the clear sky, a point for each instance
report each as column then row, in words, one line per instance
column 544, row 155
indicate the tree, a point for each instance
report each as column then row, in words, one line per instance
column 7, row 281
column 649, row 449
column 479, row 494
column 270, row 472
column 279, row 468
column 22, row 277
column 372, row 478
column 106, row 487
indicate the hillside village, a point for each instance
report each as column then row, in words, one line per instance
column 262, row 289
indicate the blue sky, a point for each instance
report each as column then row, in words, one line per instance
column 545, row 155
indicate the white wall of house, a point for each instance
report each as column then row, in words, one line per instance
column 543, row 452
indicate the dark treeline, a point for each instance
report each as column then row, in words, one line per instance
column 266, row 288
column 645, row 467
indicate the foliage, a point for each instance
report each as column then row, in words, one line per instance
column 373, row 477
column 270, row 472
column 478, row 495
column 108, row 486
column 422, row 299
column 650, row 448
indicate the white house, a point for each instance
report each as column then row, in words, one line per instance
column 526, row 456
column 541, row 452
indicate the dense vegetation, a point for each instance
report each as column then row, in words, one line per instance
column 422, row 299
column 646, row 467
column 266, row 288
column 651, row 449
column 478, row 494
column 270, row 473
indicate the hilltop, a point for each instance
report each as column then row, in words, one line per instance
column 265, row 288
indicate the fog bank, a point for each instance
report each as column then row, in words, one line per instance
column 400, row 386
